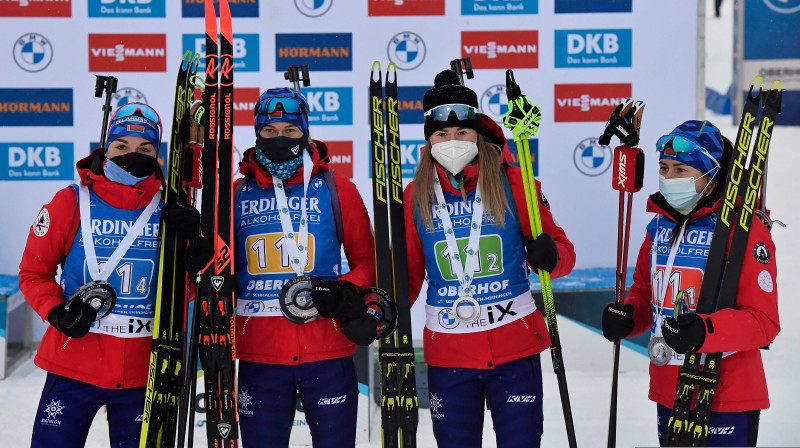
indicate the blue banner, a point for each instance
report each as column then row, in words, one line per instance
column 593, row 48
column 483, row 7
column 127, row 8
column 36, row 107
column 329, row 105
column 582, row 6
column 323, row 52
column 37, row 161
column 245, row 51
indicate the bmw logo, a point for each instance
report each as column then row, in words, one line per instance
column 783, row 6
column 494, row 102
column 33, row 52
column 407, row 50
column 313, row 8
column 591, row 158
column 127, row 95
column 447, row 319
column 255, row 306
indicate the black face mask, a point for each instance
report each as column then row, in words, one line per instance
column 138, row 164
column 280, row 149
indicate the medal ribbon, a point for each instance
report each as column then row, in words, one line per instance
column 464, row 274
column 660, row 295
column 298, row 250
column 95, row 271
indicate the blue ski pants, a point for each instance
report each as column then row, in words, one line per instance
column 724, row 428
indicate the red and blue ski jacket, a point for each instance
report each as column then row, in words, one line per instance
column 742, row 330
column 98, row 359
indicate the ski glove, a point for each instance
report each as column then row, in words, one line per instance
column 625, row 122
column 362, row 330
column 199, row 253
column 183, row 218
column 338, row 299
column 617, row 321
column 542, row 252
column 74, row 323
column 685, row 334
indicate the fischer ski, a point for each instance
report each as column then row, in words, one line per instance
column 399, row 405
column 687, row 426
column 165, row 378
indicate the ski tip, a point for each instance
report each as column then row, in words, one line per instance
column 225, row 17
column 391, row 68
column 376, row 64
column 195, row 62
column 187, row 60
column 779, row 85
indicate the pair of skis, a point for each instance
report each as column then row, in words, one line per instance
column 399, row 405
column 700, row 372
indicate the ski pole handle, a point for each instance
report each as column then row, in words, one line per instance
column 462, row 67
column 628, row 173
column 297, row 73
column 107, row 84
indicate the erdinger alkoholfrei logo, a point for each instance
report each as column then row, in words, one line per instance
column 591, row 158
column 313, row 8
column 783, row 6
column 127, row 95
column 33, row 52
column 407, row 50
column 494, row 102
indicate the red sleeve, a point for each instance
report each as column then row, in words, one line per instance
column 416, row 258
column 640, row 293
column 44, row 252
column 359, row 245
column 566, row 251
column 754, row 322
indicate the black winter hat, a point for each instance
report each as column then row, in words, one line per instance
column 448, row 90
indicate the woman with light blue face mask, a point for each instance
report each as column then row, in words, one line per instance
column 693, row 163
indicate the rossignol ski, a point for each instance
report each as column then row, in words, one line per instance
column 165, row 378
column 399, row 405
column 687, row 426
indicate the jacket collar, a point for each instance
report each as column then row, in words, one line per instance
column 90, row 170
column 264, row 178
column 658, row 204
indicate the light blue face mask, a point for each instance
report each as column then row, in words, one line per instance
column 283, row 170
column 680, row 192
column 116, row 174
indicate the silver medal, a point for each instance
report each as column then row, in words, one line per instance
column 466, row 309
column 660, row 353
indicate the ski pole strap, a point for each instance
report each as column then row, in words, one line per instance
column 298, row 249
column 95, row 272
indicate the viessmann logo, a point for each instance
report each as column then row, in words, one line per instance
column 501, row 49
column 35, row 8
column 244, row 101
column 588, row 102
column 128, row 52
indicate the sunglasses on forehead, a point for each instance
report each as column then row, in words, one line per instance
column 672, row 145
column 137, row 109
column 461, row 111
column 288, row 105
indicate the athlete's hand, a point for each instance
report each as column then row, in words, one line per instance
column 617, row 321
column 685, row 334
column 74, row 322
column 542, row 252
column 362, row 330
column 184, row 218
column 338, row 299
column 625, row 122
column 522, row 118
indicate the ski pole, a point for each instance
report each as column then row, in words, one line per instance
column 462, row 67
column 107, row 85
column 297, row 73
column 522, row 119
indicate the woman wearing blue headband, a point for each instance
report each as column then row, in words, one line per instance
column 693, row 163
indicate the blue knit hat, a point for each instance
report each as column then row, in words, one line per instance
column 281, row 105
column 707, row 145
column 137, row 120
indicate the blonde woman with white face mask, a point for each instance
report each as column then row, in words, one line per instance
column 467, row 233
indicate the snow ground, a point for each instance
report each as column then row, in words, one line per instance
column 587, row 357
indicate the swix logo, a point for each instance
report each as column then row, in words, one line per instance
column 405, row 7
column 332, row 400
column 340, row 156
column 245, row 51
column 329, row 105
column 244, row 101
column 128, row 52
column 521, row 399
column 35, row 8
column 588, row 102
column 501, row 49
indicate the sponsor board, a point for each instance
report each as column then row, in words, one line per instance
column 36, row 8
column 36, row 107
column 585, row 6
column 501, row 49
column 593, row 48
column 313, row 8
column 591, row 158
column 36, row 161
column 239, row 8
column 329, row 105
column 340, row 156
column 588, row 102
column 406, row 50
column 405, row 7
column 494, row 102
column 533, row 146
column 245, row 51
column 127, row 52
column 33, row 52
column 409, row 104
column 244, row 101
column 483, row 7
column 323, row 52
column 127, row 8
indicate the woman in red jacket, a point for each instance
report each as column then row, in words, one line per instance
column 692, row 164
column 468, row 232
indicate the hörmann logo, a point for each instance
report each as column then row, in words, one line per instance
column 405, row 7
column 587, row 102
column 501, row 49
column 321, row 51
column 475, row 7
column 128, row 52
column 127, row 8
column 410, row 104
column 592, row 48
column 36, row 8
column 36, row 107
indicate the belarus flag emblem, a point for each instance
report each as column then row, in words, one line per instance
column 276, row 114
column 135, row 128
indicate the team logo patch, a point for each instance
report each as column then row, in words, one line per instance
column 42, row 223
column 407, row 50
column 544, row 199
column 765, row 281
column 33, row 52
column 447, row 319
column 435, row 405
column 761, row 253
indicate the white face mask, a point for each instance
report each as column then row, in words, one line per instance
column 680, row 192
column 454, row 155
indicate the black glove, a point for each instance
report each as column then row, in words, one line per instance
column 184, row 218
column 198, row 253
column 362, row 330
column 74, row 323
column 542, row 252
column 625, row 122
column 684, row 334
column 617, row 321
column 338, row 299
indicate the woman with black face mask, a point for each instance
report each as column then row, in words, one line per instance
column 93, row 358
column 292, row 216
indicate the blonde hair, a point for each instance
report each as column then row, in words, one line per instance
column 489, row 179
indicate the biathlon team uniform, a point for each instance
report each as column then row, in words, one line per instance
column 739, row 333
column 496, row 356
column 280, row 360
column 108, row 366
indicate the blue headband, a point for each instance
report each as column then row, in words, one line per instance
column 281, row 105
column 136, row 120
